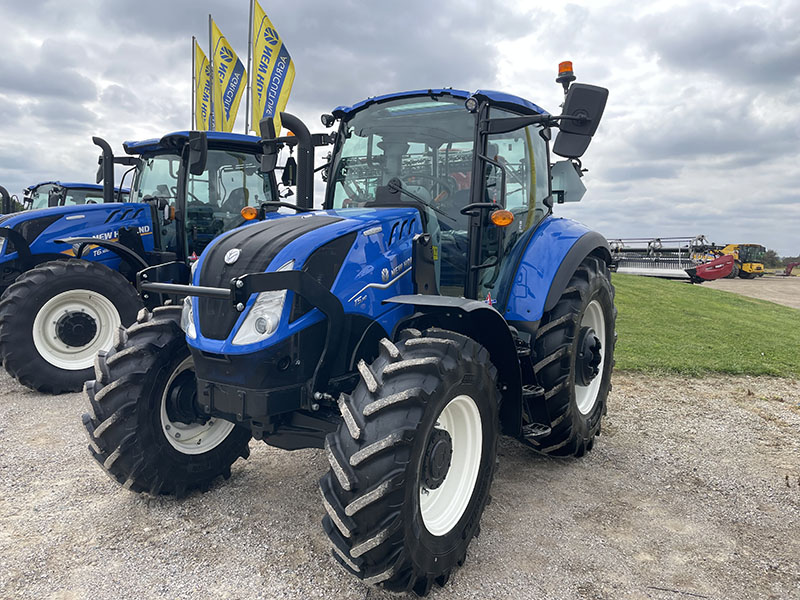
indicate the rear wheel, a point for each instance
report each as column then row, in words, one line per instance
column 412, row 461
column 144, row 427
column 574, row 356
column 56, row 317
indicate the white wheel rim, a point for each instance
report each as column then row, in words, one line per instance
column 45, row 328
column 193, row 438
column 443, row 507
column 586, row 395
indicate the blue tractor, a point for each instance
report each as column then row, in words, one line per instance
column 67, row 271
column 431, row 304
column 56, row 193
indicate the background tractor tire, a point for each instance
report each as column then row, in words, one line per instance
column 734, row 272
column 397, row 514
column 745, row 275
column 57, row 316
column 576, row 410
column 131, row 434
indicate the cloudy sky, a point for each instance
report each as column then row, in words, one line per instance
column 701, row 134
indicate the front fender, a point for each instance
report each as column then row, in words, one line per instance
column 546, row 265
column 485, row 325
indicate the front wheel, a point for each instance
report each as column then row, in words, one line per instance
column 573, row 359
column 56, row 317
column 412, row 461
column 144, row 427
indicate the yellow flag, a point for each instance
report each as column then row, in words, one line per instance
column 273, row 71
column 229, row 82
column 202, row 98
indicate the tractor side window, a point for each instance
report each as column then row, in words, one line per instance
column 157, row 180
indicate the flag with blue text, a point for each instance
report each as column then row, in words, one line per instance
column 272, row 71
column 202, row 99
column 229, row 83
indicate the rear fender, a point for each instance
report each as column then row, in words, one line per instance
column 486, row 326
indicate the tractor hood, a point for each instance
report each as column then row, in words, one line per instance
column 362, row 255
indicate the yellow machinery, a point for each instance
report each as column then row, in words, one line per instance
column 748, row 259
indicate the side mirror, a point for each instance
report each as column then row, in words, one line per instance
column 198, row 152
column 567, row 184
column 585, row 105
column 269, row 160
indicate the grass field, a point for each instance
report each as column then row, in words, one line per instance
column 670, row 326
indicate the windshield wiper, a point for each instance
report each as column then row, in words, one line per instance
column 395, row 185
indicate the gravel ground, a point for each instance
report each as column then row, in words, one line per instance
column 692, row 491
column 783, row 290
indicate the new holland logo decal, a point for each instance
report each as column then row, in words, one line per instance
column 232, row 255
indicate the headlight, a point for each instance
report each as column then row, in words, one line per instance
column 264, row 316
column 187, row 318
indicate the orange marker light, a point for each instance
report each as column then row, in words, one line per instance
column 249, row 213
column 502, row 217
column 565, row 67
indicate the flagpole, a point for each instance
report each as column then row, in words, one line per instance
column 212, row 124
column 249, row 68
column 194, row 83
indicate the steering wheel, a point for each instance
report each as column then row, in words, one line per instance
column 449, row 184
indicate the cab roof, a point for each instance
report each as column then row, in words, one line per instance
column 72, row 185
column 176, row 140
column 499, row 99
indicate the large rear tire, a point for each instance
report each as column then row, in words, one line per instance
column 575, row 374
column 143, row 428
column 412, row 461
column 57, row 316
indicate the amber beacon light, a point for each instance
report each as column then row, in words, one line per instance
column 565, row 74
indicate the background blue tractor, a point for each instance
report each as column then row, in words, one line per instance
column 57, row 193
column 433, row 303
column 67, row 270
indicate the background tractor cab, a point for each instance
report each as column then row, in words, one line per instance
column 69, row 268
column 55, row 193
column 432, row 302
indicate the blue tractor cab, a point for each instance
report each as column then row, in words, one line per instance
column 68, row 267
column 433, row 303
column 56, row 193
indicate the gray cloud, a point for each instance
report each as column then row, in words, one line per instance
column 701, row 133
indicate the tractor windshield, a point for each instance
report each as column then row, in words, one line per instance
column 78, row 196
column 214, row 199
column 426, row 143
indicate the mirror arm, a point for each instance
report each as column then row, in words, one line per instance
column 509, row 124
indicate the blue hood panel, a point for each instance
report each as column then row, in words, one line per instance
column 377, row 267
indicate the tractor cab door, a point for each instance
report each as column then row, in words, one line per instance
column 518, row 179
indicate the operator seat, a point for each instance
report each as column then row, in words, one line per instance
column 236, row 200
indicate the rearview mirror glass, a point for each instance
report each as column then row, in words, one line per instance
column 198, row 152
column 585, row 103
